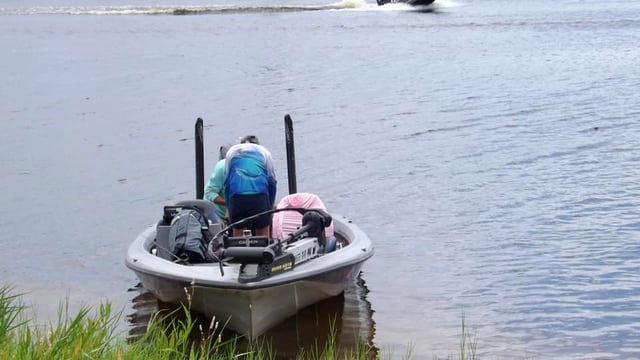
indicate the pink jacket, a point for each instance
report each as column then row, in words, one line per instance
column 286, row 222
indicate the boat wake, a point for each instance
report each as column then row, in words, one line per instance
column 344, row 5
column 181, row 9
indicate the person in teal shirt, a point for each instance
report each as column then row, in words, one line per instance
column 214, row 191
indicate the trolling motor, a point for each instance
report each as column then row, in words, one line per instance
column 260, row 260
column 313, row 223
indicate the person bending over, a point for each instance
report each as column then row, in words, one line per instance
column 214, row 191
column 250, row 185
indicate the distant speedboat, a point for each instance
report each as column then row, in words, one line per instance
column 252, row 283
column 408, row 2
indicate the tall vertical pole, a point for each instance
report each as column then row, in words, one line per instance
column 199, row 136
column 291, row 156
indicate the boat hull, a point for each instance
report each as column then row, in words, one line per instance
column 250, row 309
column 251, row 312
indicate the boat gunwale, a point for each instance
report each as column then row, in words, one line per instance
column 360, row 245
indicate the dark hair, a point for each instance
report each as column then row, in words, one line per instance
column 223, row 151
column 250, row 139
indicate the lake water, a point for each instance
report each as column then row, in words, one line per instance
column 490, row 149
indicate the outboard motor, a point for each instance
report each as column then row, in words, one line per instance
column 204, row 206
column 185, row 230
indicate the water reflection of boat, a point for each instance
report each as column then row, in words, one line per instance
column 348, row 316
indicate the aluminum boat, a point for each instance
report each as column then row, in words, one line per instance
column 252, row 283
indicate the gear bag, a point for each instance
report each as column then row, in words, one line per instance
column 188, row 236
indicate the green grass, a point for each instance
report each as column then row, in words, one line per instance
column 173, row 336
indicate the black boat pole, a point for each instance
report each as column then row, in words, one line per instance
column 199, row 136
column 291, row 156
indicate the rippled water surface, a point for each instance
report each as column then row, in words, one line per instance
column 490, row 149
